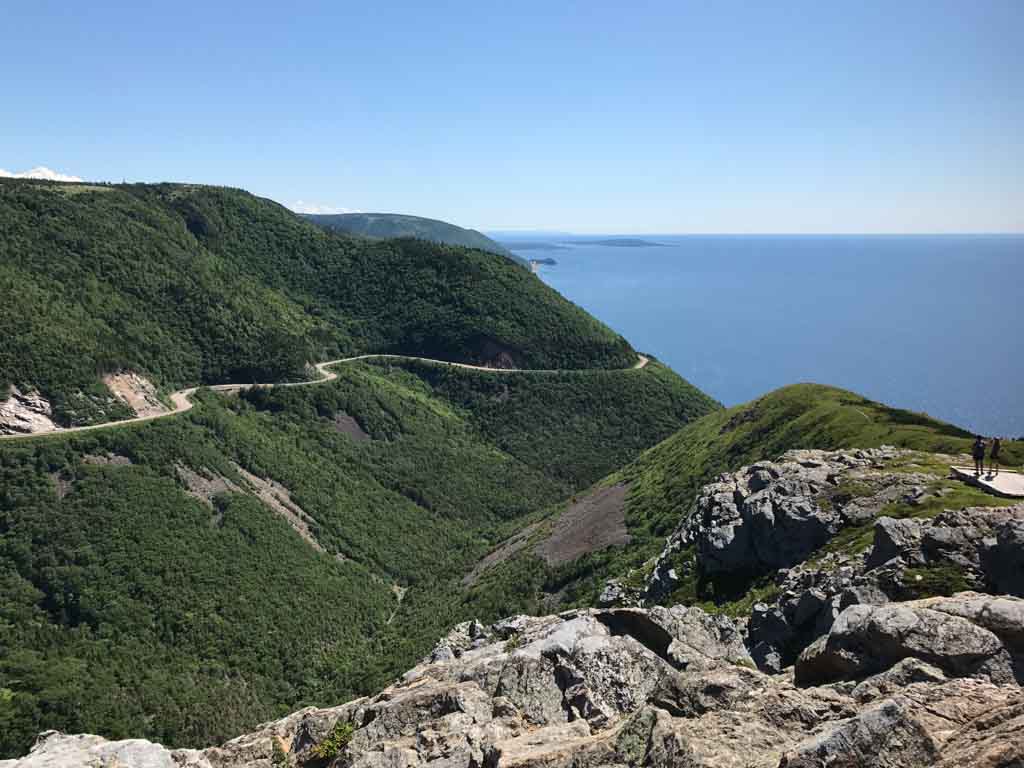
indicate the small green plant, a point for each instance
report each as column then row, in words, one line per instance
column 944, row 579
column 335, row 741
column 278, row 756
column 515, row 640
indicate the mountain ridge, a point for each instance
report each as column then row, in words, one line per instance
column 188, row 284
column 397, row 225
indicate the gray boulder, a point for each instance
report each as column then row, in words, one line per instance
column 954, row 634
column 896, row 678
column 896, row 538
column 810, row 598
column 700, row 640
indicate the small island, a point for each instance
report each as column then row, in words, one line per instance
column 536, row 264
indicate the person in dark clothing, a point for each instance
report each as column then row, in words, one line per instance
column 993, row 458
column 978, row 452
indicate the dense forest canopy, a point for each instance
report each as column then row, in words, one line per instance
column 193, row 284
column 146, row 588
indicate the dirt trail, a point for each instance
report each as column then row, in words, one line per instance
column 182, row 398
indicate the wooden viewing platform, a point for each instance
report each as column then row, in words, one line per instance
column 1008, row 483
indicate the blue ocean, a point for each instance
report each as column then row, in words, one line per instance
column 928, row 323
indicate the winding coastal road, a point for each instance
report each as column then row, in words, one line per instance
column 182, row 399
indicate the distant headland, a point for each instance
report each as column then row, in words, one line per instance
column 618, row 242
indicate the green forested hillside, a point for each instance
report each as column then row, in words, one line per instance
column 128, row 606
column 190, row 284
column 187, row 578
column 392, row 225
column 614, row 414
column 663, row 481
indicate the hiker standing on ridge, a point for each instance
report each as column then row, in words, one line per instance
column 993, row 458
column 978, row 452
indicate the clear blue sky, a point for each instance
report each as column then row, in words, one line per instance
column 896, row 116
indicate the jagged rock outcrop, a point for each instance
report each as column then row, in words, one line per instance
column 983, row 547
column 779, row 516
column 663, row 688
column 23, row 413
column 966, row 635
column 809, row 600
column 774, row 514
column 960, row 537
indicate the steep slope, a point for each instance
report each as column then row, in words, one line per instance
column 662, row 484
column 614, row 414
column 189, row 284
column 392, row 225
column 189, row 578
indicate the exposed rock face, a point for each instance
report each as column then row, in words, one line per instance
column 921, row 726
column 983, row 546
column 664, row 688
column 969, row 634
column 774, row 514
column 135, row 391
column 762, row 517
column 993, row 739
column 25, row 413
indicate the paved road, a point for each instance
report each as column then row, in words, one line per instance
column 182, row 399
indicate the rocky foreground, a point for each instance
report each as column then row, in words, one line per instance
column 924, row 683
column 840, row 666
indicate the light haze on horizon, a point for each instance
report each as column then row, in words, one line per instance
column 659, row 117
